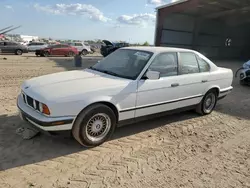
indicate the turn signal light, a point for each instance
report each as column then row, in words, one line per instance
column 44, row 108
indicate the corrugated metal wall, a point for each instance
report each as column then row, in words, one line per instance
column 178, row 31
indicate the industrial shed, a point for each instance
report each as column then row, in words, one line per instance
column 217, row 28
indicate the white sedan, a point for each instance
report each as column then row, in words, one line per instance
column 128, row 85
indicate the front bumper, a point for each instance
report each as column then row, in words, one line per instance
column 41, row 121
column 38, row 52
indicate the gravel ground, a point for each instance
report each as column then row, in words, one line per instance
column 182, row 150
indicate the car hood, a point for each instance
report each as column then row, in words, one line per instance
column 107, row 42
column 70, row 83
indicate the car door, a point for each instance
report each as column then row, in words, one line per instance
column 79, row 46
column 32, row 46
column 38, row 46
column 56, row 50
column 66, row 49
column 179, row 85
column 9, row 47
column 154, row 96
column 205, row 73
column 192, row 81
column 2, row 47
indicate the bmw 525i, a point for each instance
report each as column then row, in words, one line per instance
column 131, row 83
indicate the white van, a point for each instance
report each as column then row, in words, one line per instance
column 33, row 46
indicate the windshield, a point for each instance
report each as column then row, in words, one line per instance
column 124, row 63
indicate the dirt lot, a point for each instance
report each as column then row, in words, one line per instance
column 182, row 150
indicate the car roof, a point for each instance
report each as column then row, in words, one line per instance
column 156, row 49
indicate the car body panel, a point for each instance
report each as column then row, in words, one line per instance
column 80, row 46
column 11, row 47
column 68, row 93
column 57, row 50
column 36, row 46
column 86, row 84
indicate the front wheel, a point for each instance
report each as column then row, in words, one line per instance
column 208, row 103
column 46, row 54
column 70, row 54
column 84, row 52
column 94, row 125
column 19, row 52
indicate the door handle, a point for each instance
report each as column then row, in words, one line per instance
column 175, row 85
column 203, row 81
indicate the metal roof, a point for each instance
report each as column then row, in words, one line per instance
column 235, row 12
column 171, row 4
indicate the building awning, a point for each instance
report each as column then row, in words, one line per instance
column 232, row 12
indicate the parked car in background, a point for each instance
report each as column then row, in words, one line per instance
column 109, row 47
column 33, row 46
column 57, row 50
column 12, row 47
column 130, row 84
column 83, row 49
column 24, row 43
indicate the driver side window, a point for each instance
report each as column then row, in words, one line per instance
column 166, row 64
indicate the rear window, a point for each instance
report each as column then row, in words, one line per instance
column 10, row 43
column 64, row 46
column 189, row 63
column 78, row 44
column 204, row 66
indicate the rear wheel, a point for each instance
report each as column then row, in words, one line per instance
column 208, row 103
column 46, row 54
column 19, row 52
column 94, row 125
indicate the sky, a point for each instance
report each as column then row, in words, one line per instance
column 127, row 20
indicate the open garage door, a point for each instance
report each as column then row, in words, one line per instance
column 216, row 28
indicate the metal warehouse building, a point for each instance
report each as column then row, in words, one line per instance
column 217, row 28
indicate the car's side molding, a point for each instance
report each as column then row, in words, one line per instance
column 161, row 103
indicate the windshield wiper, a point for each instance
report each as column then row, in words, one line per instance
column 104, row 71
column 92, row 68
column 111, row 73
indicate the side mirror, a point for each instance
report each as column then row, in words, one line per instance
column 153, row 75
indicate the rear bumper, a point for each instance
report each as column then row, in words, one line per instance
column 224, row 92
column 42, row 122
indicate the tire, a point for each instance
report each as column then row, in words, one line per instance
column 19, row 52
column 84, row 52
column 208, row 103
column 89, row 122
column 70, row 54
column 45, row 54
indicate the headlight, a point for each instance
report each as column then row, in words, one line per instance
column 40, row 107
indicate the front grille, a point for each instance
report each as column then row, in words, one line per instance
column 30, row 101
